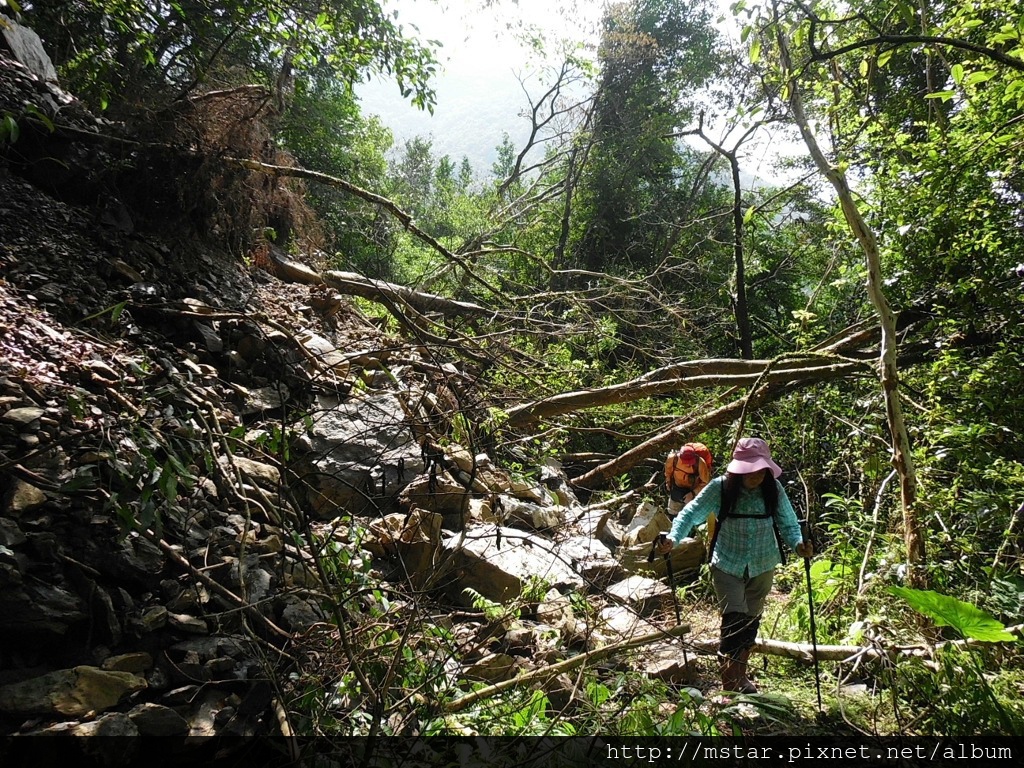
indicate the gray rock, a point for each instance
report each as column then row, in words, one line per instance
column 361, row 454
column 263, row 475
column 492, row 668
column 641, row 593
column 27, row 48
column 299, row 615
column 22, row 497
column 157, row 720
column 592, row 559
column 499, row 573
column 686, row 557
column 444, row 496
column 186, row 623
column 668, row 662
column 70, row 692
column 616, row 623
column 136, row 663
column 153, row 618
column 23, row 418
column 556, row 611
column 648, row 522
column 10, row 534
column 531, row 515
column 35, row 609
column 105, row 617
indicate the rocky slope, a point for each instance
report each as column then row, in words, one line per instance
column 216, row 488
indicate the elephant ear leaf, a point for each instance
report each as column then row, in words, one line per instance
column 969, row 620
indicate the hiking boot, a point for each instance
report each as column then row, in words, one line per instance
column 734, row 677
column 745, row 683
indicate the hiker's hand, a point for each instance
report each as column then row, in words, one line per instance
column 805, row 550
column 664, row 544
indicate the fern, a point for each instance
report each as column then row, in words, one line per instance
column 492, row 611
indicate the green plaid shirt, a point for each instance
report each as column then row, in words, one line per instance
column 746, row 547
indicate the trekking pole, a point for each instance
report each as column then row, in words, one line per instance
column 810, row 607
column 671, row 575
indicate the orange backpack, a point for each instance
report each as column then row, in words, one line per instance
column 678, row 481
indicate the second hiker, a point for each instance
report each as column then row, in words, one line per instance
column 754, row 517
column 687, row 471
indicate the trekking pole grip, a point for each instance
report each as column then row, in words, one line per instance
column 654, row 548
column 805, row 533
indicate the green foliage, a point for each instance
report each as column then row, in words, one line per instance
column 120, row 50
column 325, row 132
column 967, row 620
column 625, row 705
column 1004, row 595
column 493, row 611
column 655, row 56
column 9, row 130
column 144, row 475
column 831, row 590
column 958, row 698
column 930, row 134
column 526, row 713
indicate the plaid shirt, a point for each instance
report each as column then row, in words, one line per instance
column 746, row 547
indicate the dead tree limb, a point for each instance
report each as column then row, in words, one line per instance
column 370, row 197
column 368, row 288
column 599, row 476
column 841, row 653
column 837, row 653
column 562, row 666
column 709, row 373
column 353, row 284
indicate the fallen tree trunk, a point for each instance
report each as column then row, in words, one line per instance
column 700, row 373
column 583, row 659
column 367, row 288
column 849, row 653
column 599, row 476
column 353, row 284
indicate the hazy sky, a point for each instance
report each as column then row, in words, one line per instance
column 478, row 94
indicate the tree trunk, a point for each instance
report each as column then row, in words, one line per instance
column 913, row 529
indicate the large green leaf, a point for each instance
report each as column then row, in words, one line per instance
column 970, row 621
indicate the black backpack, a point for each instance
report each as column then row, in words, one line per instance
column 724, row 514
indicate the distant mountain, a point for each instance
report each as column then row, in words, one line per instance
column 471, row 114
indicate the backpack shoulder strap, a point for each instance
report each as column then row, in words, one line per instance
column 722, row 515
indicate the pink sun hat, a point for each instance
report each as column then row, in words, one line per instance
column 750, row 455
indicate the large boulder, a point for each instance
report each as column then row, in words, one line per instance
column 592, row 559
column 686, row 558
column 500, row 571
column 440, row 494
column 70, row 692
column 531, row 516
column 649, row 521
column 359, row 453
column 414, row 538
column 616, row 623
column 26, row 47
column 643, row 595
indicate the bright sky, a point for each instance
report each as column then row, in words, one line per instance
column 478, row 94
column 479, row 34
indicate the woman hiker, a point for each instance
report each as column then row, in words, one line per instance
column 753, row 513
